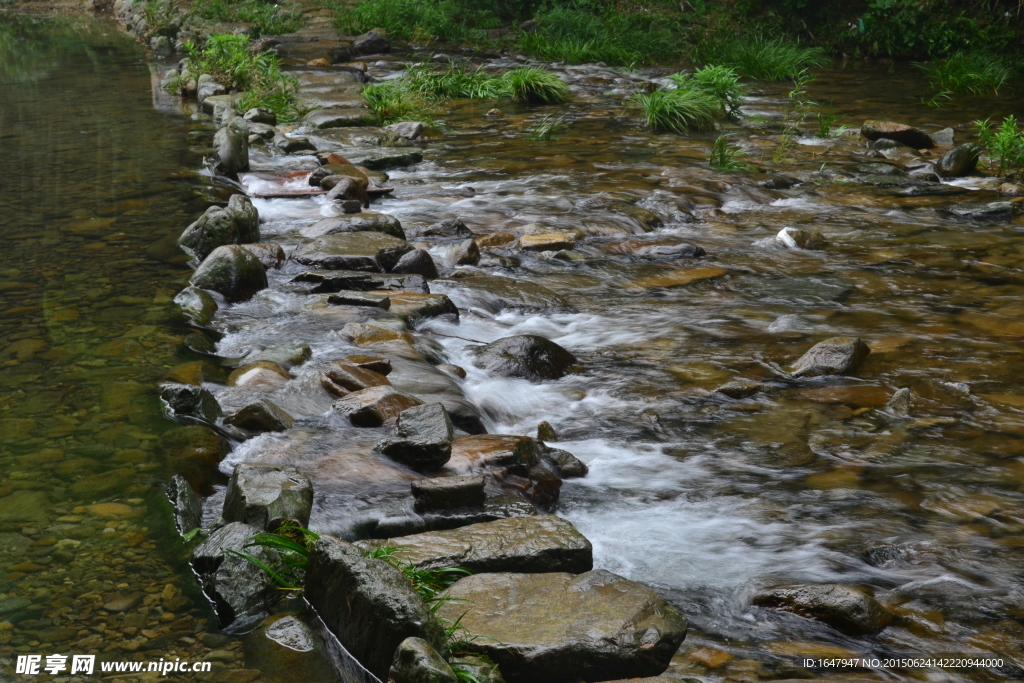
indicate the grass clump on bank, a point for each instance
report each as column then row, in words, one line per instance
column 393, row 101
column 535, row 85
column 1004, row 145
column 458, row 81
column 421, row 21
column 268, row 18
column 968, row 73
column 760, row 57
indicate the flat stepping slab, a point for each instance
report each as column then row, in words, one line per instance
column 413, row 306
column 381, row 160
column 494, row 294
column 542, row 543
column 560, row 627
column 367, row 221
column 332, row 281
column 365, row 251
column 339, row 117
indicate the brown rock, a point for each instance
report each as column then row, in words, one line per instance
column 341, row 378
column 374, row 406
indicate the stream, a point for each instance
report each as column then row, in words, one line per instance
column 704, row 498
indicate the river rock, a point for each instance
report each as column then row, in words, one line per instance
column 339, row 117
column 547, row 241
column 260, row 416
column 191, row 400
column 849, row 609
column 271, row 255
column 287, row 356
column 368, row 299
column 188, row 511
column 417, row 662
column 194, row 453
column 240, row 592
column 741, row 388
column 208, row 88
column 675, row 251
column 495, row 294
column 410, row 130
column 564, row 463
column 260, row 375
column 1010, row 190
column 259, row 494
column 449, row 227
column 197, row 304
column 417, row 262
column 368, row 221
column 260, row 115
column 447, row 493
column 465, row 253
column 364, row 251
column 982, row 210
column 372, row 42
column 238, row 223
column 794, row 238
column 510, row 461
column 413, row 306
column 528, row 356
column 959, row 161
column 374, row 406
column 537, row 544
column 231, row 148
column 330, row 281
column 904, row 134
column 424, row 441
column 899, row 404
column 24, row 507
column 944, row 137
column 367, row 604
column 879, row 168
column 835, row 356
column 341, row 378
column 231, row 271
column 378, row 364
column 560, row 627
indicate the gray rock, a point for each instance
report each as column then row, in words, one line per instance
column 260, row 115
column 849, row 609
column 238, row 223
column 424, row 441
column 429, row 421
column 372, row 407
column 447, row 493
column 982, row 210
column 364, row 251
column 260, row 494
column 289, row 356
column 382, row 161
column 495, row 294
column 188, row 511
column 417, row 262
column 231, row 148
column 271, row 255
column 417, row 662
column 528, row 356
column 879, row 168
column 536, row 544
column 208, row 88
column 262, row 415
column 564, row 463
column 899, row 404
column 835, row 356
column 544, row 628
column 369, row 299
column 465, row 253
column 943, row 138
column 959, row 161
column 741, row 388
column 545, row 432
column 223, row 114
column 262, row 131
column 885, row 143
column 367, row 604
column 240, row 592
column 368, row 221
column 293, row 145
column 339, row 117
column 904, row 134
column 232, row 271
column 340, row 378
column 676, row 251
column 330, row 281
column 372, row 42
column 411, row 130
column 449, row 227
column 197, row 304
column 190, row 400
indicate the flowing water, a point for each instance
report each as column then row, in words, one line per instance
column 705, row 498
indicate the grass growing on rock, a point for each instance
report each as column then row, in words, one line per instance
column 535, row 85
column 393, row 101
column 268, row 18
column 678, row 111
column 968, row 73
column 769, row 59
column 229, row 61
column 292, row 545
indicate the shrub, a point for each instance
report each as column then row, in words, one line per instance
column 1004, row 145
column 227, row 58
column 269, row 19
column 535, row 85
column 720, row 82
column 393, row 101
column 975, row 73
column 678, row 111
column 770, row 59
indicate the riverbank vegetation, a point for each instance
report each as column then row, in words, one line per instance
column 1003, row 145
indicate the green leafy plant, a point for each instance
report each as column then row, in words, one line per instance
column 826, row 123
column 548, row 128
column 725, row 156
column 1004, row 145
column 429, row 583
column 974, row 73
column 782, row 151
column 678, row 111
column 291, row 546
column 227, row 58
column 394, row 100
column 721, row 82
column 268, row 17
column 770, row 59
column 535, row 85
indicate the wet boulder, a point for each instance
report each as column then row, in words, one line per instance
column 240, row 593
column 231, row 271
column 410, row 130
column 447, row 493
column 449, row 227
column 417, row 662
column 564, row 463
column 286, row 356
column 424, row 439
column 271, row 255
column 944, row 137
column 188, row 511
column 374, row 406
column 835, row 356
column 238, row 223
column 367, row 604
column 372, row 42
column 231, row 148
column 365, row 299
column 982, row 211
column 536, row 544
column 794, row 238
column 260, row 115
column 902, row 133
column 261, row 375
column 191, row 400
column 368, row 221
column 512, row 462
column 259, row 494
column 547, row 241
column 559, row 627
column 260, row 416
column 293, row 145
column 741, row 388
column 341, row 378
column 195, row 453
column 363, row 251
column 329, row 281
column 465, row 253
column 672, row 251
column 959, row 161
column 849, row 609
column 417, row 262
column 197, row 304
column 495, row 294
column 528, row 356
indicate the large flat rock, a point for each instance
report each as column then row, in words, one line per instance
column 542, row 543
column 364, row 251
column 331, row 281
column 366, row 221
column 495, row 294
column 559, row 627
column 337, row 117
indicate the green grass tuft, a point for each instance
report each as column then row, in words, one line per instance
column 721, row 82
column 678, row 111
column 535, row 85
column 419, row 21
column 769, row 59
column 291, row 546
column 456, row 82
column 393, row 101
column 269, row 18
column 968, row 73
column 1004, row 145
column 724, row 156
column 548, row 128
column 429, row 583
